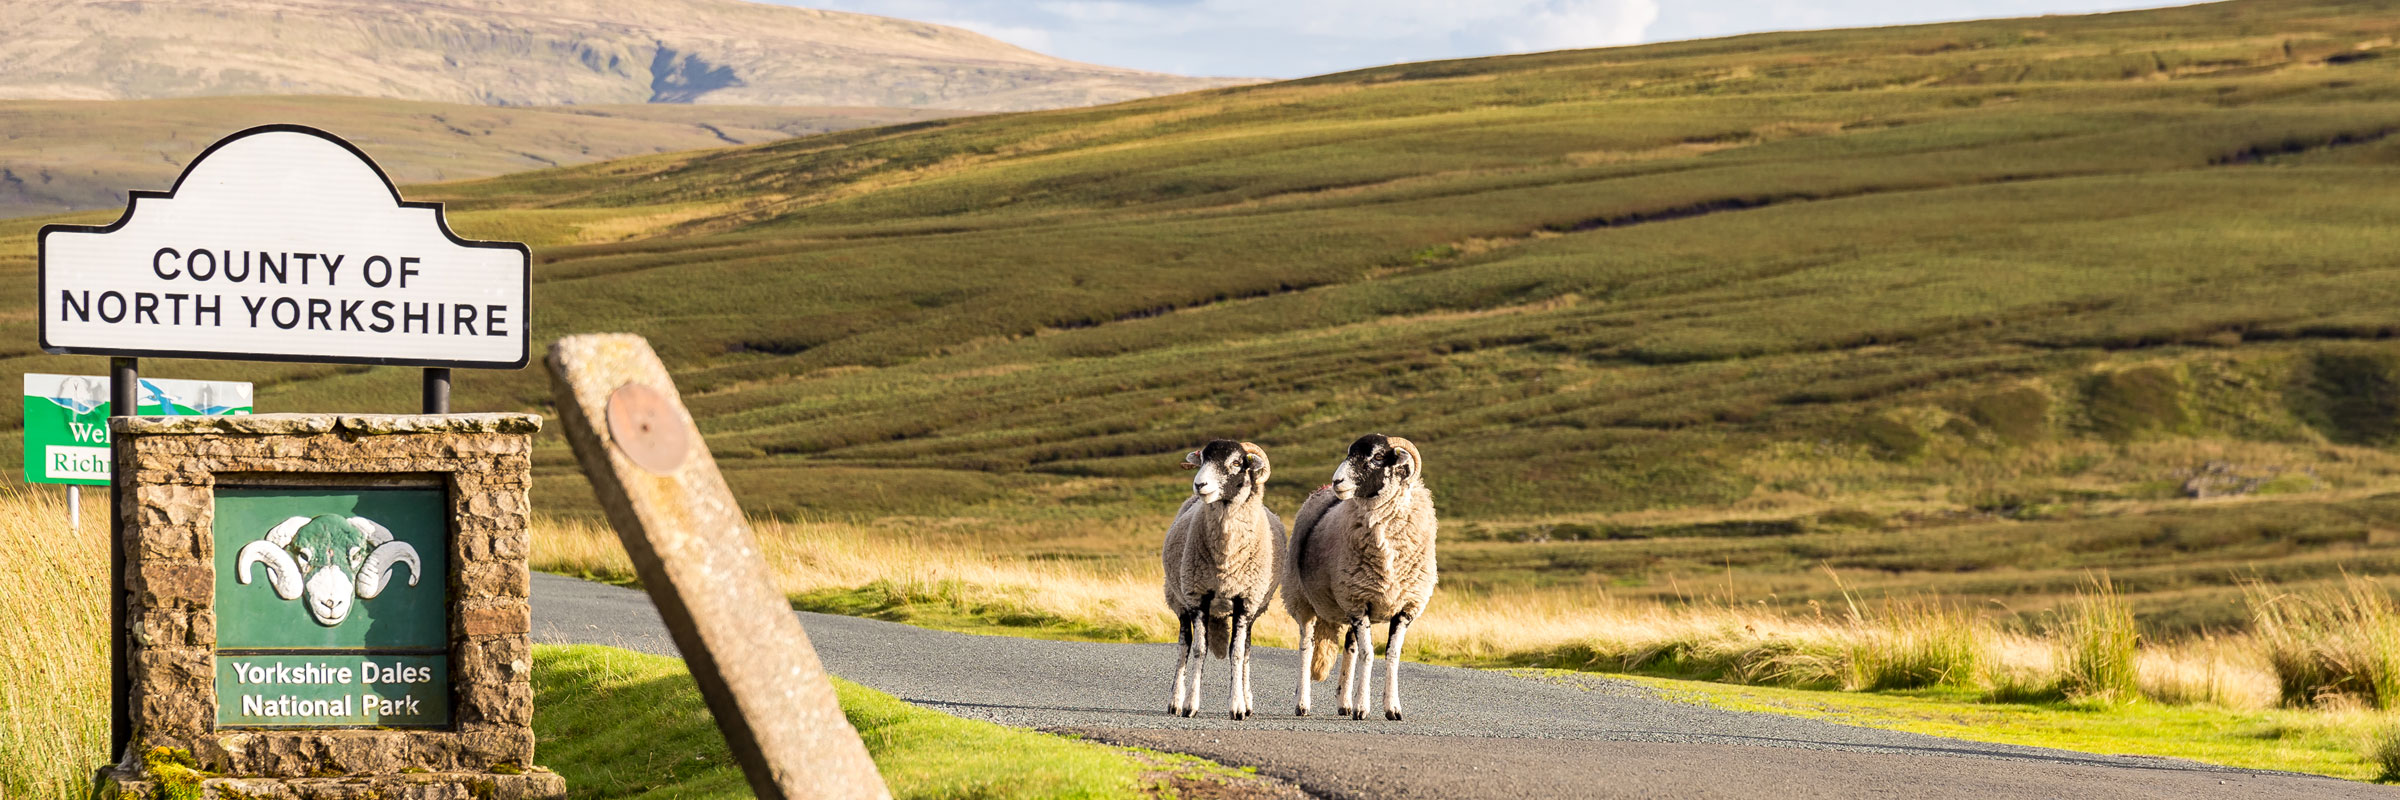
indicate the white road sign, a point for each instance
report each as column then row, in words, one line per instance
column 284, row 243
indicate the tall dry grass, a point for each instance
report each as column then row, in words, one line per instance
column 1902, row 645
column 2102, row 645
column 2331, row 643
column 53, row 654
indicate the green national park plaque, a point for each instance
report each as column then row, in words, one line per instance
column 332, row 607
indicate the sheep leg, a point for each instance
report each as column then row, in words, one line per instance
column 1238, row 705
column 1183, row 660
column 1366, row 665
column 1197, row 653
column 1349, row 683
column 1391, row 662
column 1308, row 656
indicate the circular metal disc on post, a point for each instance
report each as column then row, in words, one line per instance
column 646, row 427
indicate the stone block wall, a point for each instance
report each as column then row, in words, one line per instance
column 177, row 463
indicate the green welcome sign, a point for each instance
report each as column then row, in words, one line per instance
column 332, row 607
column 66, row 420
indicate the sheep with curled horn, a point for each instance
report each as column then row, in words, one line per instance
column 1222, row 557
column 329, row 559
column 1361, row 553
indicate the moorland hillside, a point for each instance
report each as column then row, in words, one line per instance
column 1972, row 309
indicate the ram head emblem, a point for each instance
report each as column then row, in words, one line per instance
column 328, row 559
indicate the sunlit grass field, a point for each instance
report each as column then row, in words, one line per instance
column 1964, row 312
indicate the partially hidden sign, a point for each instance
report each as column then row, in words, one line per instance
column 284, row 243
column 332, row 607
column 66, row 420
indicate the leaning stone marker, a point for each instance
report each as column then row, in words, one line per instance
column 328, row 607
column 701, row 565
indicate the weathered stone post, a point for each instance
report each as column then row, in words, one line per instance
column 328, row 606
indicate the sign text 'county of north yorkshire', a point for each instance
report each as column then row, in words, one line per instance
column 284, row 243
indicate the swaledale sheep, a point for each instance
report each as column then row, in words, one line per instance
column 1361, row 553
column 329, row 558
column 1222, row 556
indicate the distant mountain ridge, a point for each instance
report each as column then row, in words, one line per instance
column 536, row 52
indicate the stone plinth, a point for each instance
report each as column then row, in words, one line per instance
column 480, row 463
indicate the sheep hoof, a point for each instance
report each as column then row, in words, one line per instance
column 1234, row 715
column 1392, row 714
column 1344, row 711
column 1300, row 711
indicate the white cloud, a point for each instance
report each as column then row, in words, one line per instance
column 1565, row 24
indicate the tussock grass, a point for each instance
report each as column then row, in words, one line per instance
column 53, row 654
column 2331, row 643
column 1916, row 645
column 2102, row 645
column 2382, row 749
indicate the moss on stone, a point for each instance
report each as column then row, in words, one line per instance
column 175, row 773
column 228, row 791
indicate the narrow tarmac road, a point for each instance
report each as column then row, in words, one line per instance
column 1469, row 733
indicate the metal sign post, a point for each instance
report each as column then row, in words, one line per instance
column 124, row 374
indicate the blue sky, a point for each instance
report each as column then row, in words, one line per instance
column 1291, row 38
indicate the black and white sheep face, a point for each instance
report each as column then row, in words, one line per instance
column 1228, row 471
column 1375, row 464
column 328, row 560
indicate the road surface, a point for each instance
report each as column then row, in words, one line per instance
column 1469, row 733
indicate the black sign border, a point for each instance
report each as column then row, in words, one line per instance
column 133, row 204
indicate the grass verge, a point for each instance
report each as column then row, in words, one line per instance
column 2339, row 743
column 621, row 724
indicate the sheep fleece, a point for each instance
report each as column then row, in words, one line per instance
column 1242, row 562
column 1366, row 556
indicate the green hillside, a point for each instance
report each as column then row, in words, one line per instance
column 1970, row 308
